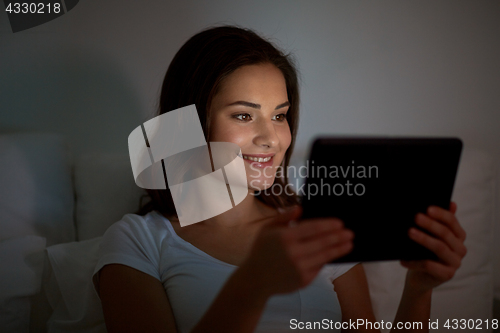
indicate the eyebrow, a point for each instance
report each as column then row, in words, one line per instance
column 257, row 106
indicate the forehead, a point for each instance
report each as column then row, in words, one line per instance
column 262, row 81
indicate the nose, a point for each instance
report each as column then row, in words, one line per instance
column 266, row 135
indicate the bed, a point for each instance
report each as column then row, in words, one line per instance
column 55, row 206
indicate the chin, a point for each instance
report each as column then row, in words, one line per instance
column 260, row 184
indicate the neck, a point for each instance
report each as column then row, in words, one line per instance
column 246, row 212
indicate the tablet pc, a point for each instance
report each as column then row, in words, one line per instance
column 376, row 186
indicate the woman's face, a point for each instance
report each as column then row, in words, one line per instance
column 250, row 111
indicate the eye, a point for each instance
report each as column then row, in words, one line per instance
column 280, row 117
column 243, row 117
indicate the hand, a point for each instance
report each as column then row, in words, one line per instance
column 447, row 244
column 285, row 258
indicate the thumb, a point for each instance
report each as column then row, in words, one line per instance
column 453, row 207
column 293, row 213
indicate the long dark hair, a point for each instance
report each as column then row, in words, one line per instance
column 195, row 76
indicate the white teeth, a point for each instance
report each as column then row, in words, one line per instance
column 257, row 159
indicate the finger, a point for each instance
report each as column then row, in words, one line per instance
column 324, row 241
column 442, row 232
column 453, row 207
column 327, row 255
column 447, row 217
column 437, row 246
column 434, row 268
column 315, row 227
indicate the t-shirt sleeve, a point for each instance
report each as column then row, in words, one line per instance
column 129, row 242
column 336, row 270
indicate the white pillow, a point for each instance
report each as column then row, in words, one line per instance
column 105, row 191
column 475, row 197
column 20, row 277
column 469, row 295
column 36, row 196
column 70, row 291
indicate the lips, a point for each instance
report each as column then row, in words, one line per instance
column 259, row 160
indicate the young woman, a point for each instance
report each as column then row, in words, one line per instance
column 249, row 269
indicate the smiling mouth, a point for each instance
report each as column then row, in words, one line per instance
column 257, row 159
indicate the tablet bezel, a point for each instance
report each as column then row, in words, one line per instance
column 447, row 148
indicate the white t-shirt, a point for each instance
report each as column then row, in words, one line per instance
column 193, row 278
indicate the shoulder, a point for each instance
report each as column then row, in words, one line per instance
column 150, row 228
column 135, row 241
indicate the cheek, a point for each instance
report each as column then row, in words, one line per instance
column 234, row 135
column 285, row 138
column 224, row 131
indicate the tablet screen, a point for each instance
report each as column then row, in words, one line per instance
column 377, row 186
